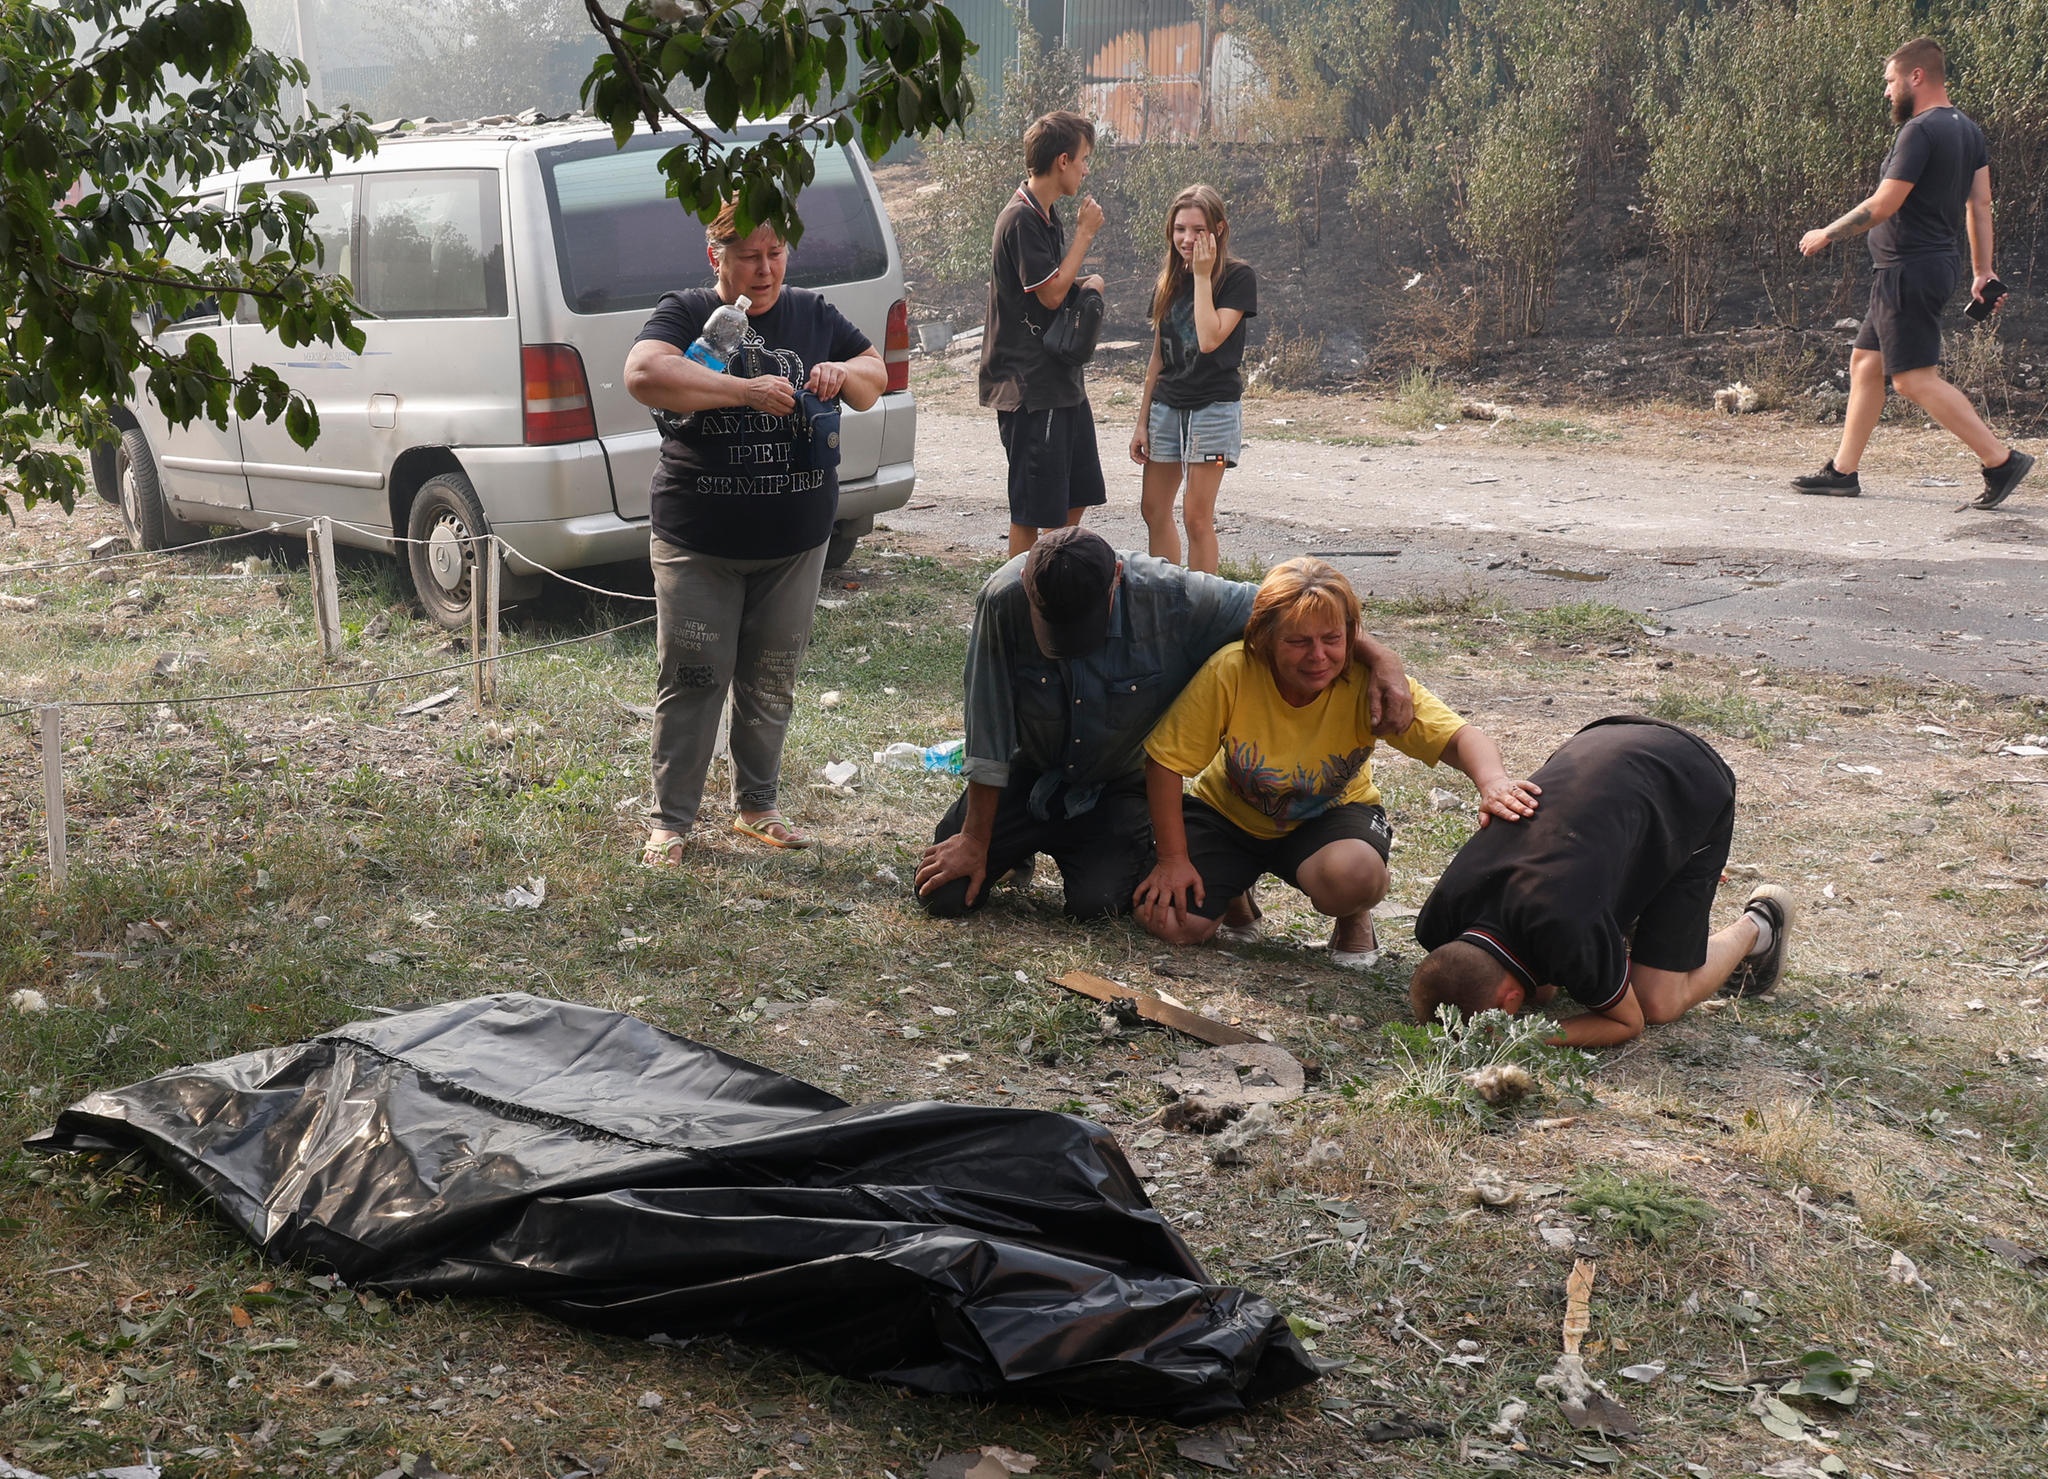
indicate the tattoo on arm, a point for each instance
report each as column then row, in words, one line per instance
column 1855, row 223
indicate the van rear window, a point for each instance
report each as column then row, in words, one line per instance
column 621, row 242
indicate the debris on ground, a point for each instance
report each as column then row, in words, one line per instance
column 1241, row 1073
column 1904, row 1271
column 431, row 701
column 18, row 603
column 1741, row 398
column 529, row 895
column 991, row 1461
column 1218, row 1450
column 1151, row 1009
column 1198, row 1116
column 169, row 664
column 1501, row 1084
column 1399, row 1428
column 28, row 1000
column 1485, row 411
column 831, row 698
column 2020, row 1256
column 1490, row 1189
column 1585, row 1403
column 1227, row 1147
column 838, row 773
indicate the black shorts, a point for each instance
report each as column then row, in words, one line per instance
column 1054, row 467
column 1671, row 932
column 1231, row 859
column 1903, row 321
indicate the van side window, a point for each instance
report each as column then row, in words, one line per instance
column 432, row 245
column 333, row 224
column 621, row 241
column 189, row 255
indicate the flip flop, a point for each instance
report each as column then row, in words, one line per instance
column 1248, row 933
column 667, row 853
column 766, row 828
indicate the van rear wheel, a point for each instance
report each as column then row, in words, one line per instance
column 446, row 522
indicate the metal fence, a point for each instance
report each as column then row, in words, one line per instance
column 1152, row 70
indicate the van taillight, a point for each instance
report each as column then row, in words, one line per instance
column 896, row 345
column 557, row 396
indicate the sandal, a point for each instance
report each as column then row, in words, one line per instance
column 667, row 853
column 772, row 830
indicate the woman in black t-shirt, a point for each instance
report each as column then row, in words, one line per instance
column 741, row 510
column 1190, row 418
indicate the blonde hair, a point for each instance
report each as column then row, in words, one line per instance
column 1173, row 271
column 1296, row 592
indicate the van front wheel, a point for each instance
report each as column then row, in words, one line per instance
column 445, row 524
column 151, row 524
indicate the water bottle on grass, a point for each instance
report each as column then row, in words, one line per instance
column 949, row 758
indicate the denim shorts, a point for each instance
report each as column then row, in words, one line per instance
column 1211, row 433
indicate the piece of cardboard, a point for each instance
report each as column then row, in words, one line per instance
column 1152, row 1009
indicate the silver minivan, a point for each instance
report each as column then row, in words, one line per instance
column 504, row 270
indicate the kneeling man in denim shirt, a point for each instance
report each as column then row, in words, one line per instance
column 1076, row 651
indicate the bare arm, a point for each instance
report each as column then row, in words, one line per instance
column 1500, row 795
column 965, row 853
column 1212, row 324
column 1619, row 1023
column 1141, row 439
column 1163, row 895
column 1883, row 204
column 662, row 376
column 858, row 381
column 1978, row 215
column 1393, row 706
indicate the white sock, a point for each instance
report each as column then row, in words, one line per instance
column 1764, row 935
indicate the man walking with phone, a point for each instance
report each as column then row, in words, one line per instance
column 1936, row 181
column 1041, row 405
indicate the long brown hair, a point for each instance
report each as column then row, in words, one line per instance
column 1173, row 271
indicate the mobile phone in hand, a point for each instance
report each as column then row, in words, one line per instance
column 1980, row 308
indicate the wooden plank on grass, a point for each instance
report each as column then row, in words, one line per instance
column 1152, row 1009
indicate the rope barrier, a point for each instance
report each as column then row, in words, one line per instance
column 157, row 554
column 219, row 698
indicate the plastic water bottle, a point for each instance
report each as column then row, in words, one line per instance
column 949, row 758
column 720, row 341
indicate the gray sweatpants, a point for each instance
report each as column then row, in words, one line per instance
column 742, row 624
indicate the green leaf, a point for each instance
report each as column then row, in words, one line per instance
column 1825, row 1375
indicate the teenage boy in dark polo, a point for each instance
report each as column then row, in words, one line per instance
column 1041, row 406
column 1604, row 894
column 1075, row 653
column 1936, row 180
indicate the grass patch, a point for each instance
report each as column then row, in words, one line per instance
column 1422, row 400
column 1643, row 1209
column 1476, row 1068
column 1732, row 711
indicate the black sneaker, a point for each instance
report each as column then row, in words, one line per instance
column 1828, row 483
column 1757, row 974
column 1999, row 481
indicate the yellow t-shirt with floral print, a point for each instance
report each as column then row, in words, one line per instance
column 1269, row 766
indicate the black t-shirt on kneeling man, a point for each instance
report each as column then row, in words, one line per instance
column 725, row 485
column 1627, row 802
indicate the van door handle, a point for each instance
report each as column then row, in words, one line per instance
column 384, row 411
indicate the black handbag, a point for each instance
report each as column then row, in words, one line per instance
column 814, row 440
column 1070, row 337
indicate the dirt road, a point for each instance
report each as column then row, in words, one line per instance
column 1682, row 517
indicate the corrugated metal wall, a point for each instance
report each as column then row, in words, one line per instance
column 1143, row 64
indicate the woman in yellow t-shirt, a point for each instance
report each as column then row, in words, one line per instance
column 1276, row 732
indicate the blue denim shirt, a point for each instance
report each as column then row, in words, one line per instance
column 1083, row 722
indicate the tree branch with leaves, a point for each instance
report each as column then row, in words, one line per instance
column 784, row 60
column 109, row 113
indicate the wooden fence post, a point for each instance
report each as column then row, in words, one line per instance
column 326, row 595
column 484, row 566
column 52, row 716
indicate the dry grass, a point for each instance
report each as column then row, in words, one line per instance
column 1911, row 1119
